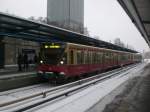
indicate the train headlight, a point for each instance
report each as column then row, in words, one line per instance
column 41, row 61
column 62, row 62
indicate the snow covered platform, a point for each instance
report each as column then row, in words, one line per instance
column 17, row 80
column 16, row 75
column 96, row 97
column 13, row 69
column 135, row 97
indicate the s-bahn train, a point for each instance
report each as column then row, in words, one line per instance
column 66, row 60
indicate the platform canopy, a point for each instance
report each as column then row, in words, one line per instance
column 139, row 12
column 16, row 27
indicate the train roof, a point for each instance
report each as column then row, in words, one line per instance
column 16, row 27
column 101, row 48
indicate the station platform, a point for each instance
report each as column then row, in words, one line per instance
column 13, row 69
column 11, row 78
column 136, row 96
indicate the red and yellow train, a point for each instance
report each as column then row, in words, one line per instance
column 72, row 60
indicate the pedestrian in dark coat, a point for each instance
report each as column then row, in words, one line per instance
column 36, row 60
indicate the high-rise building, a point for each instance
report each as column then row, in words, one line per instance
column 68, row 14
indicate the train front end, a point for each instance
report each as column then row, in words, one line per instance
column 52, row 60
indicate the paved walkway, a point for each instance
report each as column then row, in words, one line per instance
column 136, row 96
column 14, row 70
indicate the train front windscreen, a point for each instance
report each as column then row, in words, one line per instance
column 52, row 53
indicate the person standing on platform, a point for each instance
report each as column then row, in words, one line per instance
column 19, row 62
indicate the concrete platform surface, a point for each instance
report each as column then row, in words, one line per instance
column 13, row 69
column 136, row 96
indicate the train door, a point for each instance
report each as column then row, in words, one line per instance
column 71, row 56
column 2, row 54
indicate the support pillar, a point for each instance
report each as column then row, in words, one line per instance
column 2, row 53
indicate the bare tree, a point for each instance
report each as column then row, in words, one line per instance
column 32, row 18
column 118, row 42
column 96, row 37
column 42, row 19
column 86, row 32
column 39, row 19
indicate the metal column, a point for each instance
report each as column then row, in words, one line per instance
column 2, row 53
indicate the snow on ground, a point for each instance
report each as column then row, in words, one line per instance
column 2, row 77
column 23, row 92
column 147, row 60
column 84, row 100
column 135, row 97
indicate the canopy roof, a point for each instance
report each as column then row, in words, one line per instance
column 21, row 28
column 139, row 12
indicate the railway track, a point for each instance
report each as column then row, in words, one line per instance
column 27, row 102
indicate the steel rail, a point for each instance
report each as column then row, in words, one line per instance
column 66, row 93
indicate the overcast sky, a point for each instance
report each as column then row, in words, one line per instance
column 103, row 18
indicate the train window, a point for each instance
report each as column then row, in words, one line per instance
column 82, row 57
column 71, row 55
column 93, row 55
column 103, row 57
column 86, row 57
column 96, row 57
column 118, row 57
column 106, row 57
column 100, row 58
column 78, row 57
column 89, row 57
